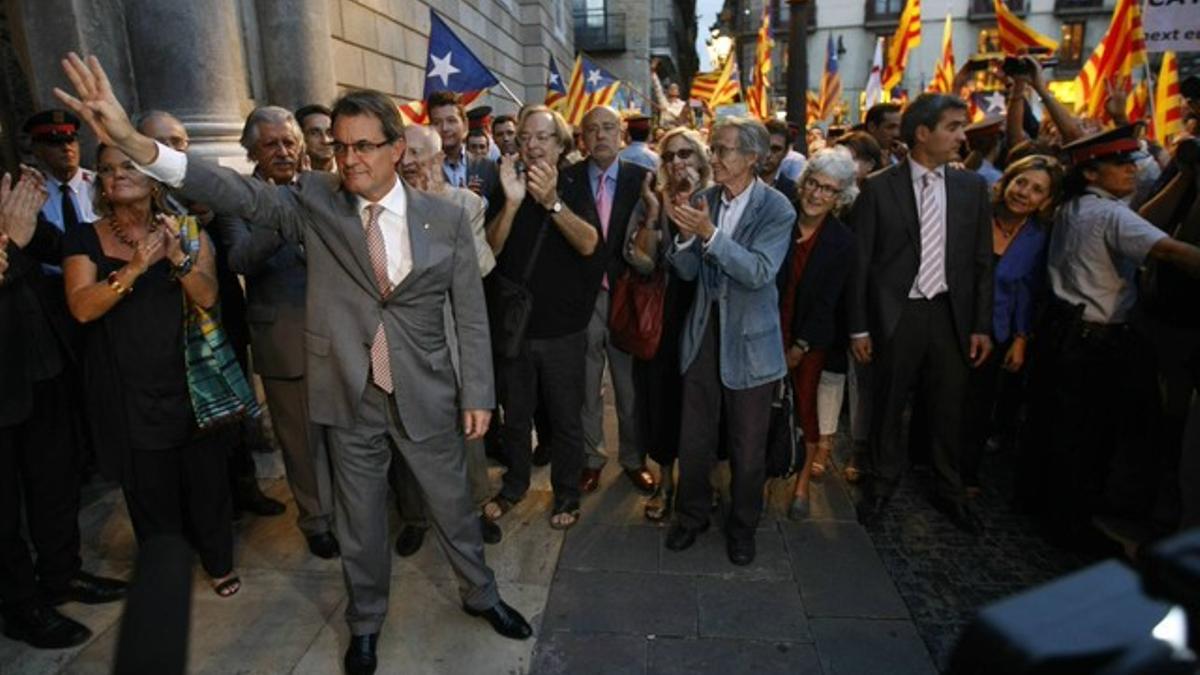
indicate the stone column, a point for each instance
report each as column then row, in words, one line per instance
column 45, row 30
column 297, row 52
column 187, row 60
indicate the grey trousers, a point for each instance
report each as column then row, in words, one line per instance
column 631, row 452
column 361, row 456
column 408, row 498
column 305, row 453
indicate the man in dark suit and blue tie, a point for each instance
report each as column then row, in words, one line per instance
column 921, row 298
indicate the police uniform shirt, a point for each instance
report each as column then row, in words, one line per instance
column 1096, row 247
column 81, row 184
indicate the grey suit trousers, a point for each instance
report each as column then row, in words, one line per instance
column 361, row 455
column 631, row 453
column 305, row 452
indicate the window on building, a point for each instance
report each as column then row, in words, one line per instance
column 1078, row 4
column 1070, row 50
column 989, row 40
column 884, row 10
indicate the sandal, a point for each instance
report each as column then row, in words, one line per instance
column 497, row 507
column 816, row 470
column 564, row 519
column 658, row 507
column 228, row 586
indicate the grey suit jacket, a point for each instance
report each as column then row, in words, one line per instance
column 344, row 306
column 888, row 229
column 276, row 277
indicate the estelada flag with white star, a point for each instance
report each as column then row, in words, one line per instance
column 590, row 86
column 449, row 66
column 556, row 89
column 986, row 102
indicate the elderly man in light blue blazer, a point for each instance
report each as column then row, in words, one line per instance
column 733, row 238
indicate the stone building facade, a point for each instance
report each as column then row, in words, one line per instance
column 211, row 61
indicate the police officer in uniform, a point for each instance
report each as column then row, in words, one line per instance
column 1095, row 396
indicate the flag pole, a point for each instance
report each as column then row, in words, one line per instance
column 511, row 95
column 1150, row 93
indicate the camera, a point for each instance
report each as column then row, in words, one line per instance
column 1016, row 66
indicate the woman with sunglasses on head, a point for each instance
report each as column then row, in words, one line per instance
column 811, row 281
column 684, row 171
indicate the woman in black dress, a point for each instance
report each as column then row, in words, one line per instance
column 657, row 384
column 130, row 280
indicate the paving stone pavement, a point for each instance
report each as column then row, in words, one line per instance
column 823, row 596
column 817, row 598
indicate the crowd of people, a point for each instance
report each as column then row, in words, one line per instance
column 418, row 299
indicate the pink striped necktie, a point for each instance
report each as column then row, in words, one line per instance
column 604, row 210
column 381, row 366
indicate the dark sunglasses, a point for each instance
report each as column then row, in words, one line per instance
column 684, row 154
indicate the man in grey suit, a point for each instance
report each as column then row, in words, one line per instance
column 920, row 307
column 275, row 276
column 378, row 366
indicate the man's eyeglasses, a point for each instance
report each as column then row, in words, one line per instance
column 722, row 150
column 360, row 148
column 683, row 153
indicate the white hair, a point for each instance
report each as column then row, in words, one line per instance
column 427, row 134
column 836, row 163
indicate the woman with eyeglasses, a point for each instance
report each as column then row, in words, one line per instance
column 658, row 387
column 810, row 284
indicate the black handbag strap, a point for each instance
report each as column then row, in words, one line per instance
column 533, row 255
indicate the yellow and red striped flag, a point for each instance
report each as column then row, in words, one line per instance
column 591, row 86
column 758, row 96
column 1168, row 104
column 1138, row 104
column 1016, row 37
column 831, row 82
column 414, row 112
column 718, row 87
column 812, row 107
column 943, row 73
column 906, row 39
column 1122, row 49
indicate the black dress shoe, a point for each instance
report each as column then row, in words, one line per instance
column 960, row 515
column 504, row 619
column 491, row 531
column 643, row 481
column 360, row 655
column 589, row 481
column 44, row 627
column 741, row 551
column 410, row 539
column 252, row 500
column 541, row 454
column 323, row 545
column 870, row 511
column 86, row 588
column 681, row 536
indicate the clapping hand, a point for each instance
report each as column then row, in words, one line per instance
column 96, row 104
column 511, row 180
column 543, row 183
column 19, row 205
column 692, row 221
column 169, row 227
column 146, row 252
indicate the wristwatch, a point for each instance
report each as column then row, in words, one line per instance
column 556, row 207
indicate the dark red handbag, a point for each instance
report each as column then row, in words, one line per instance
column 635, row 319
